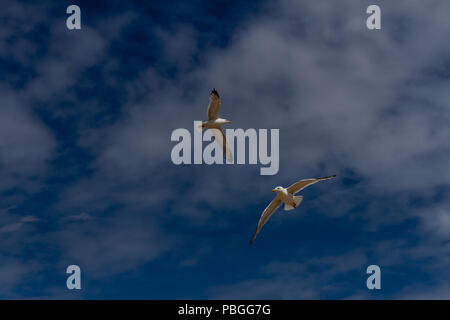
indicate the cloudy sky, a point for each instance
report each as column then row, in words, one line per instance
column 86, row 175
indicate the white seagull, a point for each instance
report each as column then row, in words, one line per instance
column 215, row 124
column 286, row 196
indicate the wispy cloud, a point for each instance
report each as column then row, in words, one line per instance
column 77, row 217
column 18, row 225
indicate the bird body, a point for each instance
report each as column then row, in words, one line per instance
column 214, row 124
column 286, row 196
column 290, row 201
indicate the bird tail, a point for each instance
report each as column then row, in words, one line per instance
column 297, row 200
column 288, row 207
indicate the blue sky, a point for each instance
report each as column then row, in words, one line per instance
column 86, row 175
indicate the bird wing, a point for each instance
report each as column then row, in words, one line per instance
column 267, row 213
column 214, row 105
column 302, row 184
column 221, row 140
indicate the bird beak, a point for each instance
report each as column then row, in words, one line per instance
column 273, row 190
column 229, row 122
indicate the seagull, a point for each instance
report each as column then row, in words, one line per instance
column 286, row 196
column 215, row 124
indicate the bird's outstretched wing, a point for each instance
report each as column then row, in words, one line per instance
column 302, row 184
column 214, row 105
column 221, row 140
column 267, row 213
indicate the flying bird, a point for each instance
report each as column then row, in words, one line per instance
column 286, row 196
column 215, row 124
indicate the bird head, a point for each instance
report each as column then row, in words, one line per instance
column 277, row 189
